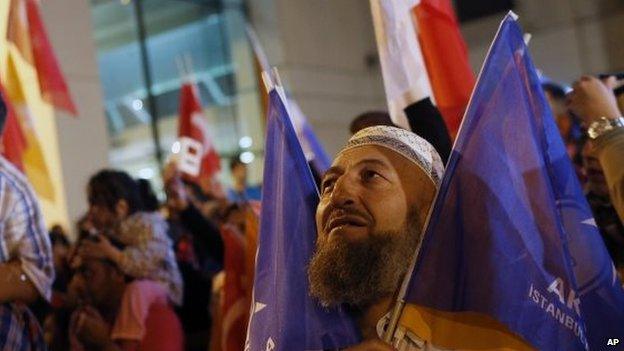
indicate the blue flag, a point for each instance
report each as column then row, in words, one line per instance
column 321, row 161
column 511, row 236
column 283, row 315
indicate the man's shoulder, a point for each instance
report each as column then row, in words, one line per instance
column 13, row 182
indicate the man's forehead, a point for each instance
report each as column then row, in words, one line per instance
column 371, row 154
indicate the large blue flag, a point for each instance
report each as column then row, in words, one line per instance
column 511, row 239
column 284, row 316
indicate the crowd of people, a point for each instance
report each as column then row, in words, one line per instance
column 146, row 275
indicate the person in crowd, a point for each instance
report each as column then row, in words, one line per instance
column 199, row 251
column 116, row 212
column 60, row 253
column 148, row 196
column 424, row 119
column 594, row 101
column 597, row 193
column 370, row 119
column 123, row 313
column 26, row 264
column 240, row 190
column 374, row 203
column 569, row 126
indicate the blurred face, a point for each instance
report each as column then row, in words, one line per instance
column 59, row 254
column 239, row 173
column 99, row 279
column 102, row 218
column 373, row 202
column 596, row 181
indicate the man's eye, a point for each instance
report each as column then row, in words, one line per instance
column 327, row 185
column 368, row 175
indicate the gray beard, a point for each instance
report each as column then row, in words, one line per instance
column 360, row 273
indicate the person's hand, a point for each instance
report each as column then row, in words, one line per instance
column 371, row 345
column 91, row 329
column 592, row 99
column 100, row 248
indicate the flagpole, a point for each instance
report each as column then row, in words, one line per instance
column 190, row 71
column 147, row 76
column 400, row 301
column 181, row 69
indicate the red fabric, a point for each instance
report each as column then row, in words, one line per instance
column 13, row 139
column 52, row 83
column 446, row 58
column 235, row 304
column 146, row 316
column 163, row 331
column 192, row 124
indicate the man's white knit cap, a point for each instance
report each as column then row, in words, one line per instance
column 405, row 143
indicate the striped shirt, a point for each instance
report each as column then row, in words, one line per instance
column 23, row 238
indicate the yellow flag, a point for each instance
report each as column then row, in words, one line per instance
column 34, row 161
column 17, row 31
column 4, row 21
column 465, row 331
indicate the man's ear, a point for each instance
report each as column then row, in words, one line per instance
column 122, row 209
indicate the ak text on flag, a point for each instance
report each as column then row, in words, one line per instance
column 512, row 258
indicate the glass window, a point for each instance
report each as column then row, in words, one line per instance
column 209, row 38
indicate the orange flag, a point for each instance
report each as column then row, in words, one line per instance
column 235, row 305
column 27, row 32
column 17, row 31
column 446, row 59
column 35, row 165
column 252, row 228
column 54, row 89
column 13, row 141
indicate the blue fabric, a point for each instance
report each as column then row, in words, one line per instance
column 251, row 193
column 321, row 160
column 511, row 231
column 284, row 316
column 19, row 329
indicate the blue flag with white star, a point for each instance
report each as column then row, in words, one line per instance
column 512, row 248
column 283, row 315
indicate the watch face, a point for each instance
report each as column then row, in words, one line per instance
column 603, row 125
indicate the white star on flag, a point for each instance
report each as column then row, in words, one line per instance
column 590, row 221
column 258, row 307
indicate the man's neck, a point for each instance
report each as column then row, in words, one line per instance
column 369, row 317
column 239, row 187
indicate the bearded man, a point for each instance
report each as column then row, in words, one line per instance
column 374, row 202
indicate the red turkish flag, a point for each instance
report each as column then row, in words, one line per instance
column 446, row 58
column 12, row 139
column 52, row 83
column 235, row 304
column 192, row 124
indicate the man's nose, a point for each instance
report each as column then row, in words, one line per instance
column 343, row 193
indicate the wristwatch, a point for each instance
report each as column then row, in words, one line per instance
column 603, row 125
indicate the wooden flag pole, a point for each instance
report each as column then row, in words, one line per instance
column 181, row 69
column 188, row 64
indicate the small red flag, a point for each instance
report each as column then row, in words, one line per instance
column 52, row 83
column 13, row 139
column 235, row 302
column 193, row 125
column 446, row 58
